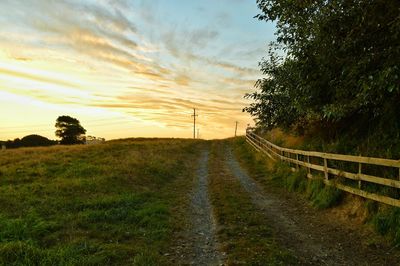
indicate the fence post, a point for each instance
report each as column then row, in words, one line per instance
column 297, row 159
column 326, row 168
column 359, row 173
column 308, row 161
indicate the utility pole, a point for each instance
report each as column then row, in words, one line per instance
column 194, row 123
column 236, row 127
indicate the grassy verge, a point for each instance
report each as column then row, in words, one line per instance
column 113, row 204
column 280, row 174
column 242, row 228
column 384, row 219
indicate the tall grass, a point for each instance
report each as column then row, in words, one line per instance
column 386, row 221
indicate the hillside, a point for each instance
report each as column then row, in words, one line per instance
column 116, row 203
column 165, row 202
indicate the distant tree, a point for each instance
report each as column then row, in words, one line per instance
column 29, row 141
column 70, row 130
column 16, row 143
column 36, row 141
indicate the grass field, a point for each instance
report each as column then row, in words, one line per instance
column 117, row 203
column 126, row 202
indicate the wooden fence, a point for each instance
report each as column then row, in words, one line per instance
column 321, row 162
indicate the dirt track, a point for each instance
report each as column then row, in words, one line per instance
column 198, row 243
column 311, row 238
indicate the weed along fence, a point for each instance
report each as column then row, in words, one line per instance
column 372, row 178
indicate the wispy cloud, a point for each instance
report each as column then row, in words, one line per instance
column 35, row 77
column 145, row 58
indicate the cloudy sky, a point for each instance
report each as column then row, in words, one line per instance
column 128, row 68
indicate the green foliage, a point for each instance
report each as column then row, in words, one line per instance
column 70, row 130
column 339, row 74
column 387, row 222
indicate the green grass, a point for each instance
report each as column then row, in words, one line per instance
column 247, row 239
column 386, row 221
column 117, row 203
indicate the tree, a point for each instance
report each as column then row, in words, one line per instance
column 36, row 141
column 336, row 68
column 29, row 141
column 70, row 130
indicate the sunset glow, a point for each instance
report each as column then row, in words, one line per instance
column 128, row 68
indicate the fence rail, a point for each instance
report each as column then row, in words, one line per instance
column 307, row 159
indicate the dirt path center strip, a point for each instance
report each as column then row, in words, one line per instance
column 203, row 224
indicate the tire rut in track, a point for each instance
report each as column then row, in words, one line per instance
column 203, row 232
column 299, row 228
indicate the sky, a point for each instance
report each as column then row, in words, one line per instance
column 129, row 68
